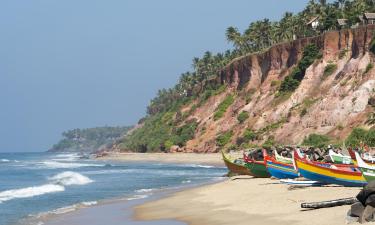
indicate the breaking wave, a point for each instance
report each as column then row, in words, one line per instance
column 70, row 178
column 30, row 192
column 4, row 160
column 58, row 184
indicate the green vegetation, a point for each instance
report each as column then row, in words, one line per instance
column 310, row 53
column 159, row 134
column 249, row 135
column 316, row 140
column 269, row 143
column 222, row 108
column 242, row 116
column 90, row 139
column 224, row 138
column 369, row 67
column 303, row 112
column 360, row 136
column 330, row 68
column 272, row 126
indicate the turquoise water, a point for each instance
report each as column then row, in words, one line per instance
column 34, row 184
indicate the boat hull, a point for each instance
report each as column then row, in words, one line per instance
column 323, row 174
column 368, row 170
column 235, row 168
column 258, row 169
column 281, row 171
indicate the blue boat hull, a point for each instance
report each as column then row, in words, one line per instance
column 330, row 180
column 281, row 172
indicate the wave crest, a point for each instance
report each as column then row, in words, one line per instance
column 70, row 178
column 30, row 192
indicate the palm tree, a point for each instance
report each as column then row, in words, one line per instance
column 233, row 35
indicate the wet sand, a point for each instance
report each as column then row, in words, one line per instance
column 248, row 201
column 179, row 158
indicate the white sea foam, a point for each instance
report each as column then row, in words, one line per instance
column 135, row 197
column 89, row 203
column 30, row 192
column 144, row 190
column 186, row 181
column 198, row 166
column 4, row 160
column 70, row 178
column 63, row 165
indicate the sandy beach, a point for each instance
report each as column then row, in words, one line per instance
column 214, row 159
column 248, row 201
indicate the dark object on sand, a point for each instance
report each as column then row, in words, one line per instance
column 365, row 208
column 327, row 204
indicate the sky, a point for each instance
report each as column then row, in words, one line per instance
column 86, row 63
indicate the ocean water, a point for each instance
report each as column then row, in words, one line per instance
column 37, row 184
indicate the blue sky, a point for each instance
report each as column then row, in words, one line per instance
column 86, row 63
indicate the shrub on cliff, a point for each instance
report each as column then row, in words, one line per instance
column 316, row 140
column 242, row 116
column 310, row 53
column 222, row 108
column 224, row 138
column 360, row 136
column 329, row 69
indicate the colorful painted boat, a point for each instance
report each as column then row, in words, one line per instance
column 283, row 159
column 279, row 170
column 365, row 157
column 328, row 173
column 368, row 171
column 236, row 166
column 257, row 167
column 339, row 158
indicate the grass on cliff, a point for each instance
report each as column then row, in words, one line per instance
column 330, row 68
column 316, row 140
column 224, row 138
column 222, row 108
column 243, row 116
column 360, row 136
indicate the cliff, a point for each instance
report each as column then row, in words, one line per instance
column 331, row 99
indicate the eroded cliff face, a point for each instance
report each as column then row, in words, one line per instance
column 323, row 104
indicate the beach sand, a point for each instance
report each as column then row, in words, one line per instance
column 179, row 158
column 248, row 201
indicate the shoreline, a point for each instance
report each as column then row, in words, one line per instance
column 239, row 201
column 114, row 211
column 211, row 159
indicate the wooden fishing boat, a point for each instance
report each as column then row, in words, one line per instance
column 257, row 167
column 328, row 173
column 339, row 158
column 368, row 171
column 278, row 169
column 283, row 159
column 365, row 157
column 235, row 166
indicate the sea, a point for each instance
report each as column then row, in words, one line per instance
column 33, row 185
